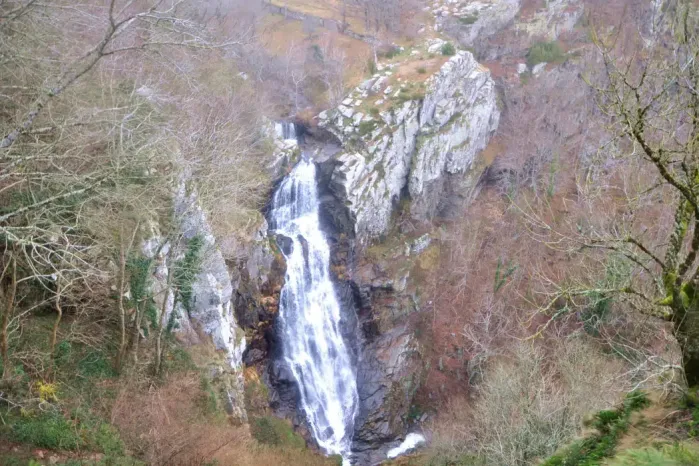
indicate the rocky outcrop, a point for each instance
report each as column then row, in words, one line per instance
column 558, row 17
column 401, row 141
column 212, row 301
column 210, row 312
column 413, row 145
column 476, row 20
column 285, row 150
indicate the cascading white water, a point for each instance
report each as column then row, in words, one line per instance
column 285, row 130
column 309, row 314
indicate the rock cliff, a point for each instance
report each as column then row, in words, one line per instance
column 402, row 142
column 211, row 311
column 413, row 145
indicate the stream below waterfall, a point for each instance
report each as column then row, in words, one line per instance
column 310, row 315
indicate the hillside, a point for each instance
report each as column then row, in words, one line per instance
column 358, row 232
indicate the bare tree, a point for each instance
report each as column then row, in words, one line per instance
column 94, row 142
column 651, row 102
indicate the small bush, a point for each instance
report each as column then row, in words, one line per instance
column 389, row 52
column 47, row 430
column 270, row 430
column 106, row 439
column 448, row 49
column 422, row 70
column 96, row 364
column 470, row 19
column 366, row 127
column 208, row 400
column 55, row 431
column 544, row 52
column 371, row 66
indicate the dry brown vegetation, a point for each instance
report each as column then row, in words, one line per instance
column 387, row 18
column 530, row 402
column 166, row 425
column 283, row 38
column 561, row 172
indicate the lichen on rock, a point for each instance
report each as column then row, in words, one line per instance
column 419, row 140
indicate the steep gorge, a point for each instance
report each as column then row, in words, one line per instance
column 425, row 151
column 282, row 284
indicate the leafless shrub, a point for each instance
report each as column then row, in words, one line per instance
column 530, row 402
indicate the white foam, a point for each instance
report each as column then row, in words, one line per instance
column 410, row 442
column 310, row 317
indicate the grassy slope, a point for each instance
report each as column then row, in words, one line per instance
column 90, row 415
column 328, row 9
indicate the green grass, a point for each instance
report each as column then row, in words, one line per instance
column 208, row 401
column 544, row 52
column 55, row 431
column 610, row 425
column 682, row 454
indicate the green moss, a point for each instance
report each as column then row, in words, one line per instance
column 449, row 124
column 186, row 270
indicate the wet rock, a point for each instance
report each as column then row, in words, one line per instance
column 253, row 356
column 388, row 376
column 285, row 243
column 536, row 71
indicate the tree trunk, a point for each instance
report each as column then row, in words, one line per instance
column 163, row 323
column 124, row 252
column 122, row 312
column 136, row 332
column 9, row 304
column 54, row 334
column 686, row 325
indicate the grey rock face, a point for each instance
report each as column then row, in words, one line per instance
column 558, row 17
column 491, row 16
column 387, row 376
column 212, row 304
column 414, row 145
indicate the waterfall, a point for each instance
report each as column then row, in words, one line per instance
column 309, row 316
column 285, row 130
